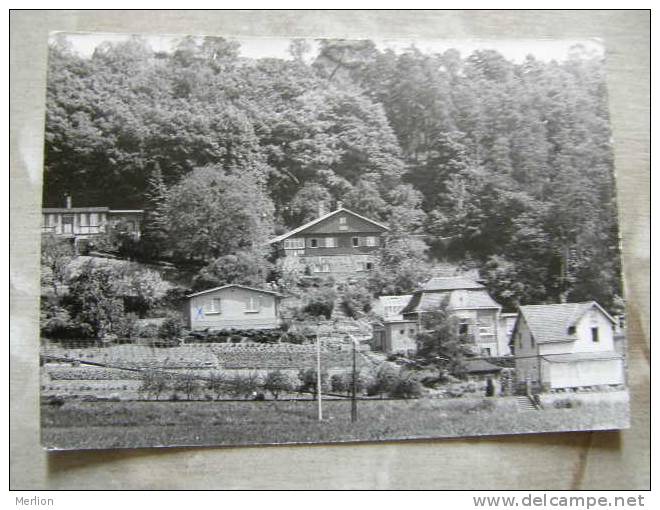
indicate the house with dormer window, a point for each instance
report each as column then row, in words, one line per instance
column 567, row 345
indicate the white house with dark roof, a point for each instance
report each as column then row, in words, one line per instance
column 233, row 306
column 477, row 312
column 567, row 345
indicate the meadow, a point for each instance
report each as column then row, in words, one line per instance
column 92, row 425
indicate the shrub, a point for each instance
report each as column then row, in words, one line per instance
column 406, row 386
column 385, row 382
column 356, row 300
column 153, row 384
column 338, row 383
column 277, row 382
column 188, row 384
column 217, row 384
column 320, row 302
column 172, row 327
column 244, row 385
column 309, row 381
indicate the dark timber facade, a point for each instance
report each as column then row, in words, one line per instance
column 341, row 243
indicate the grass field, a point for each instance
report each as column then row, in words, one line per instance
column 134, row 424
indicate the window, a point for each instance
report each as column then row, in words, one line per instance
column 356, row 241
column 330, row 242
column 402, row 332
column 313, row 243
column 463, row 327
column 253, row 305
column 594, row 334
column 531, row 341
column 215, row 306
column 485, row 351
column 342, row 220
column 411, row 331
column 571, row 330
column 370, row 266
column 371, row 240
column 297, row 243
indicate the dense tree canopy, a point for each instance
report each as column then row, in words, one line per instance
column 506, row 164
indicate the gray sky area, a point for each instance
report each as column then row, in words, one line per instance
column 259, row 47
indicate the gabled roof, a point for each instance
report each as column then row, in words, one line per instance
column 427, row 301
column 480, row 366
column 550, row 323
column 319, row 220
column 272, row 292
column 440, row 283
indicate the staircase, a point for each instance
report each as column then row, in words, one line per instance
column 525, row 403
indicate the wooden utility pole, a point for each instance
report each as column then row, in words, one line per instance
column 318, row 372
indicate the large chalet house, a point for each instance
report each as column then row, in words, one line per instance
column 341, row 244
column 468, row 300
column 83, row 224
column 568, row 345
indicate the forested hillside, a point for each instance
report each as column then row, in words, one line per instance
column 502, row 166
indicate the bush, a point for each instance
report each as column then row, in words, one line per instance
column 339, row 384
column 244, row 385
column 188, row 384
column 154, row 384
column 277, row 382
column 406, row 386
column 217, row 384
column 172, row 327
column 356, row 300
column 320, row 302
column 309, row 381
column 385, row 382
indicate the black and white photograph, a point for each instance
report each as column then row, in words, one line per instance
column 296, row 240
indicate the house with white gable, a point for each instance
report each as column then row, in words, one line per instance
column 568, row 345
column 468, row 300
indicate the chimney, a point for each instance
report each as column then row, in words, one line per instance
column 321, row 209
column 340, row 204
column 67, row 198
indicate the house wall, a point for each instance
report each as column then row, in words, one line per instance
column 483, row 328
column 526, row 353
column 82, row 223
column 583, row 373
column 400, row 336
column 233, row 313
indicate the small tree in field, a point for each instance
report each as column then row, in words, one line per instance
column 153, row 384
column 276, row 382
column 339, row 383
column 217, row 384
column 309, row 380
column 188, row 384
column 244, row 385
column 386, row 380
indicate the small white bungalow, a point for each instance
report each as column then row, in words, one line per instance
column 233, row 307
column 568, row 345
